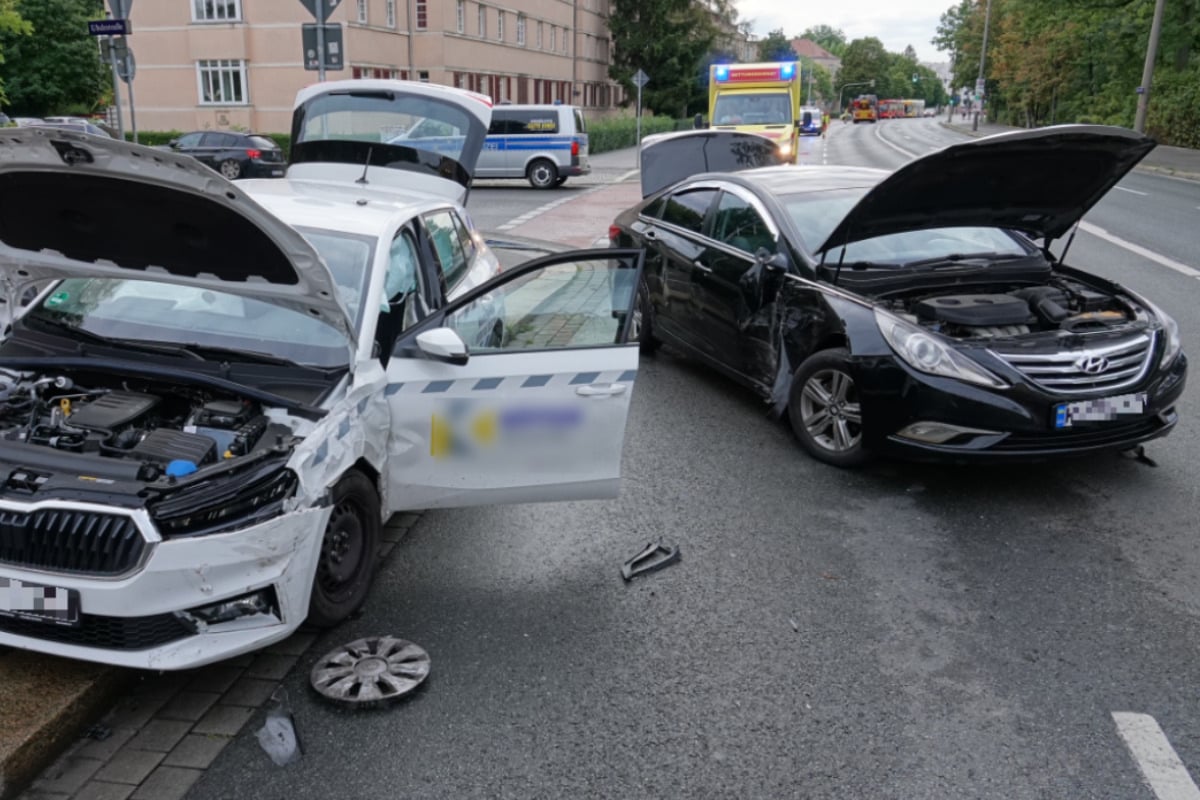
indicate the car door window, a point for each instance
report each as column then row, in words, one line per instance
column 189, row 140
column 739, row 225
column 447, row 247
column 687, row 209
column 402, row 281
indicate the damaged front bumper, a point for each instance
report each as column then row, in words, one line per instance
column 192, row 602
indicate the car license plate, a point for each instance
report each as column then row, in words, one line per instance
column 1101, row 409
column 276, row 173
column 37, row 602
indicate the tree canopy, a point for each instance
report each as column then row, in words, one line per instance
column 12, row 27
column 832, row 39
column 51, row 64
column 776, row 47
column 1052, row 61
column 670, row 40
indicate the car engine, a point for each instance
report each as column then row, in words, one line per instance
column 1060, row 305
column 151, row 430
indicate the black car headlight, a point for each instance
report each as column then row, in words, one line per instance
column 238, row 502
column 1170, row 332
column 922, row 350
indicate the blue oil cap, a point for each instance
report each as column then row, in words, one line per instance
column 180, row 467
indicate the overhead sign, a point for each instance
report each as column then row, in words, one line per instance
column 109, row 27
column 327, row 7
column 640, row 79
column 334, row 52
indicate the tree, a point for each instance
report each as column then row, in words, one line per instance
column 866, row 60
column 668, row 39
column 57, row 69
column 12, row 28
column 776, row 47
column 832, row 39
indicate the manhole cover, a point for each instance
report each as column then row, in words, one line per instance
column 370, row 672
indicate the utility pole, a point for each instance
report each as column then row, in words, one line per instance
column 1139, row 119
column 979, row 83
column 320, row 15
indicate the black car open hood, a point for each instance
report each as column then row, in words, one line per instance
column 1040, row 182
column 668, row 158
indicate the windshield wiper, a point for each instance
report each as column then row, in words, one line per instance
column 954, row 259
column 210, row 352
column 113, row 341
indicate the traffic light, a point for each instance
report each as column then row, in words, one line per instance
column 915, row 77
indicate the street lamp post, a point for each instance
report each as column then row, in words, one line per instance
column 1143, row 101
column 987, row 18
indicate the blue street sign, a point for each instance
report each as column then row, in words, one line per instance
column 109, row 27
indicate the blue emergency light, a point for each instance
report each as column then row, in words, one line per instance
column 722, row 72
column 787, row 71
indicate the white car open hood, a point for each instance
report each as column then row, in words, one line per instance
column 80, row 206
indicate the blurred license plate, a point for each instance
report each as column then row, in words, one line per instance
column 1102, row 409
column 37, row 602
column 276, row 173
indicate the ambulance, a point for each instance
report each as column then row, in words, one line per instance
column 757, row 98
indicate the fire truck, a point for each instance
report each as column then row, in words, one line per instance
column 757, row 98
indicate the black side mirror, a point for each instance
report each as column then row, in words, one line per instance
column 772, row 263
column 698, row 122
column 173, row 144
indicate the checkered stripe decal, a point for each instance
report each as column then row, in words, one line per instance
column 472, row 386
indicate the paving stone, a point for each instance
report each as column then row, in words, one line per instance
column 188, row 706
column 217, row 678
column 224, row 720
column 159, row 735
column 67, row 774
column 38, row 794
column 251, row 692
column 242, row 661
column 196, row 751
column 294, row 645
column 271, row 666
column 129, row 766
column 102, row 790
column 103, row 749
column 133, row 712
column 167, row 783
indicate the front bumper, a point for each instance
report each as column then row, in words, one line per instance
column 142, row 620
column 1015, row 424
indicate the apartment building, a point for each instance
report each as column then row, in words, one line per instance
column 225, row 64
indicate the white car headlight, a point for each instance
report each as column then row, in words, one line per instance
column 1170, row 329
column 921, row 350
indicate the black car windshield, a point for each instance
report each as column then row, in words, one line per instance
column 171, row 314
column 816, row 214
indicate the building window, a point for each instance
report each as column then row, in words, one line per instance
column 423, row 76
column 362, row 11
column 521, row 29
column 553, row 38
column 216, row 10
column 374, row 72
column 566, row 40
column 222, row 82
column 460, row 9
column 483, row 21
column 391, row 14
column 539, row 36
column 500, row 24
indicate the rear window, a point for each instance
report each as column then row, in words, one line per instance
column 687, row 209
column 580, row 127
column 263, row 143
column 515, row 123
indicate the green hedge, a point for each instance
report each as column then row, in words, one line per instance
column 615, row 133
column 155, row 138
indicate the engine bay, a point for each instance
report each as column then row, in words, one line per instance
column 152, row 430
column 1059, row 305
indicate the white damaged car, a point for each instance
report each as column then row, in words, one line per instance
column 203, row 427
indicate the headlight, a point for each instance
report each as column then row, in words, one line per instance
column 1170, row 330
column 785, row 148
column 921, row 350
column 237, row 502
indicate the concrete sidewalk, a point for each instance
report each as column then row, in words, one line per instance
column 1181, row 162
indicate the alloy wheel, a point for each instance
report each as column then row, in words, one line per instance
column 830, row 411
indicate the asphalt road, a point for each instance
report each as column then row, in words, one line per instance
column 898, row 632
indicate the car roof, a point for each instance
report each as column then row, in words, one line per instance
column 789, row 179
column 336, row 206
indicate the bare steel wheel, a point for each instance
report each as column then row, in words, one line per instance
column 231, row 169
column 641, row 329
column 348, row 552
column 825, row 410
column 370, row 672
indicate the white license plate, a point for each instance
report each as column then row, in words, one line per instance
column 38, row 602
column 1101, row 409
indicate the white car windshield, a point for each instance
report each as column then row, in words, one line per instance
column 762, row 108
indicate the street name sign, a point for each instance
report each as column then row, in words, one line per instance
column 109, row 27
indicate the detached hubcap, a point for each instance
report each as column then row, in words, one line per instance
column 830, row 410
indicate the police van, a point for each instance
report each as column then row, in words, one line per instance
column 545, row 144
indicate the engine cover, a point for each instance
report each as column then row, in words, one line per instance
column 975, row 310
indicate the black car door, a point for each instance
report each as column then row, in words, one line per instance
column 188, row 144
column 727, row 307
column 212, row 148
column 679, row 237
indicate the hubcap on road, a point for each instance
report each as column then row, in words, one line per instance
column 370, row 672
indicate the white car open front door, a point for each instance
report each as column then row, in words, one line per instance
column 519, row 391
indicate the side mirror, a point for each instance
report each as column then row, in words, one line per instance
column 772, row 263
column 173, row 144
column 443, row 344
column 698, row 122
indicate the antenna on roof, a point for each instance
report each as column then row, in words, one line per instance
column 363, row 178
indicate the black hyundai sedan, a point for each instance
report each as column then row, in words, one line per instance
column 919, row 313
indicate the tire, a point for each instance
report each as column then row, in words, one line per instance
column 824, row 409
column 349, row 551
column 642, row 330
column 230, row 168
column 542, row 174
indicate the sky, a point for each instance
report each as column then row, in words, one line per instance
column 894, row 22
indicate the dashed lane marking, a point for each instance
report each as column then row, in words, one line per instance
column 542, row 209
column 1158, row 761
column 879, row 135
column 1131, row 191
column 1169, row 263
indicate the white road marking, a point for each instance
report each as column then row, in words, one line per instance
column 896, row 147
column 1169, row 263
column 1131, row 191
column 542, row 209
column 1158, row 761
column 627, row 176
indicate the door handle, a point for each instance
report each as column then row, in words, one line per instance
column 601, row 390
column 701, row 266
column 650, row 234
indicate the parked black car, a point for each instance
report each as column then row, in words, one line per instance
column 911, row 313
column 234, row 155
